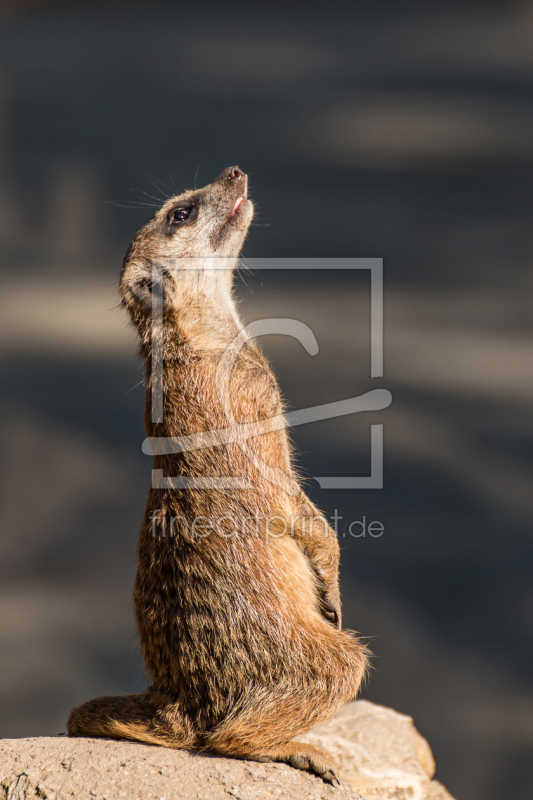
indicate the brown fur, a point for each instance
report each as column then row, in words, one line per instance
column 240, row 629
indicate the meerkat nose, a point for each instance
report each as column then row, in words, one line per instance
column 235, row 174
column 231, row 174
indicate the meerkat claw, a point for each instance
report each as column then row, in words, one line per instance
column 331, row 777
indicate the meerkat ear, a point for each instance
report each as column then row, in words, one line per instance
column 141, row 292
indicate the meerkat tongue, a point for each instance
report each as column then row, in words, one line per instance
column 238, row 204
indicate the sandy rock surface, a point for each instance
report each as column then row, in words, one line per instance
column 379, row 753
column 93, row 769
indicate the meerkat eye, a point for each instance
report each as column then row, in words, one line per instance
column 181, row 214
column 178, row 216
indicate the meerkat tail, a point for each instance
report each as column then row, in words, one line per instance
column 140, row 718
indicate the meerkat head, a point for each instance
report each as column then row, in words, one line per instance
column 189, row 247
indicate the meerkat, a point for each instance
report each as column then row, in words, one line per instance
column 236, row 594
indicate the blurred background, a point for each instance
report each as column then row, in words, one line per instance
column 396, row 130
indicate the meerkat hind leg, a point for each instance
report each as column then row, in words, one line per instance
column 258, row 743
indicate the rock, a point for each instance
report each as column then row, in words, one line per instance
column 102, row 769
column 379, row 753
